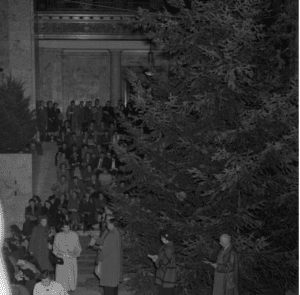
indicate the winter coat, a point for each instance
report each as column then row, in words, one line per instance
column 166, row 266
column 226, row 273
column 112, row 260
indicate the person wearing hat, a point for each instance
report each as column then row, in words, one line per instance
column 165, row 263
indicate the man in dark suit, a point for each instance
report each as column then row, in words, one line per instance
column 107, row 161
column 226, row 269
column 97, row 113
column 70, row 114
column 79, row 114
column 88, row 114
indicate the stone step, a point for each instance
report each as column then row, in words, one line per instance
column 86, row 270
column 87, row 256
column 86, row 251
column 86, row 259
column 85, row 264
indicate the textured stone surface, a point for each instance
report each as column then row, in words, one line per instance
column 51, row 27
column 4, row 44
column 47, row 171
column 49, row 75
column 21, row 44
column 64, row 76
column 15, row 186
column 86, row 76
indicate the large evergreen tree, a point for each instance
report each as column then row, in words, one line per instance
column 17, row 121
column 216, row 149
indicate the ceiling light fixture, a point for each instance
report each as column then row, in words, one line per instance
column 151, row 66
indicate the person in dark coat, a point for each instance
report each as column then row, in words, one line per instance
column 94, row 183
column 108, row 115
column 111, row 259
column 51, row 118
column 70, row 114
column 46, row 210
column 105, row 139
column 226, row 269
column 31, row 217
column 86, row 210
column 38, row 244
column 56, row 124
column 165, row 263
column 97, row 113
column 88, row 113
column 79, row 114
column 38, row 202
column 78, row 186
column 107, row 161
column 73, row 206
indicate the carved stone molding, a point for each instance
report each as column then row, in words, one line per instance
column 50, row 28
column 71, row 17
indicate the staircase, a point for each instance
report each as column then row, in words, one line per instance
column 86, row 261
column 44, row 176
column 88, row 283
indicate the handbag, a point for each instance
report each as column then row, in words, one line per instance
column 59, row 260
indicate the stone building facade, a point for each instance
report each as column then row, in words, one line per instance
column 65, row 53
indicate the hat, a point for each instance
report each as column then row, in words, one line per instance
column 167, row 234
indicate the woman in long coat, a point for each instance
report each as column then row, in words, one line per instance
column 38, row 244
column 111, row 260
column 31, row 217
column 165, row 263
column 67, row 246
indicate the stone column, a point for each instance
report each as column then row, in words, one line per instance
column 22, row 45
column 115, row 77
column 4, row 43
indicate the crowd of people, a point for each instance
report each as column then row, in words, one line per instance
column 87, row 166
column 87, row 172
column 51, row 123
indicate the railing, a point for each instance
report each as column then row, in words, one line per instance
column 116, row 6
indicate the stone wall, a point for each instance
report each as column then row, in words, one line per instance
column 65, row 75
column 86, row 76
column 15, row 187
column 17, row 43
column 4, row 44
column 21, row 45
